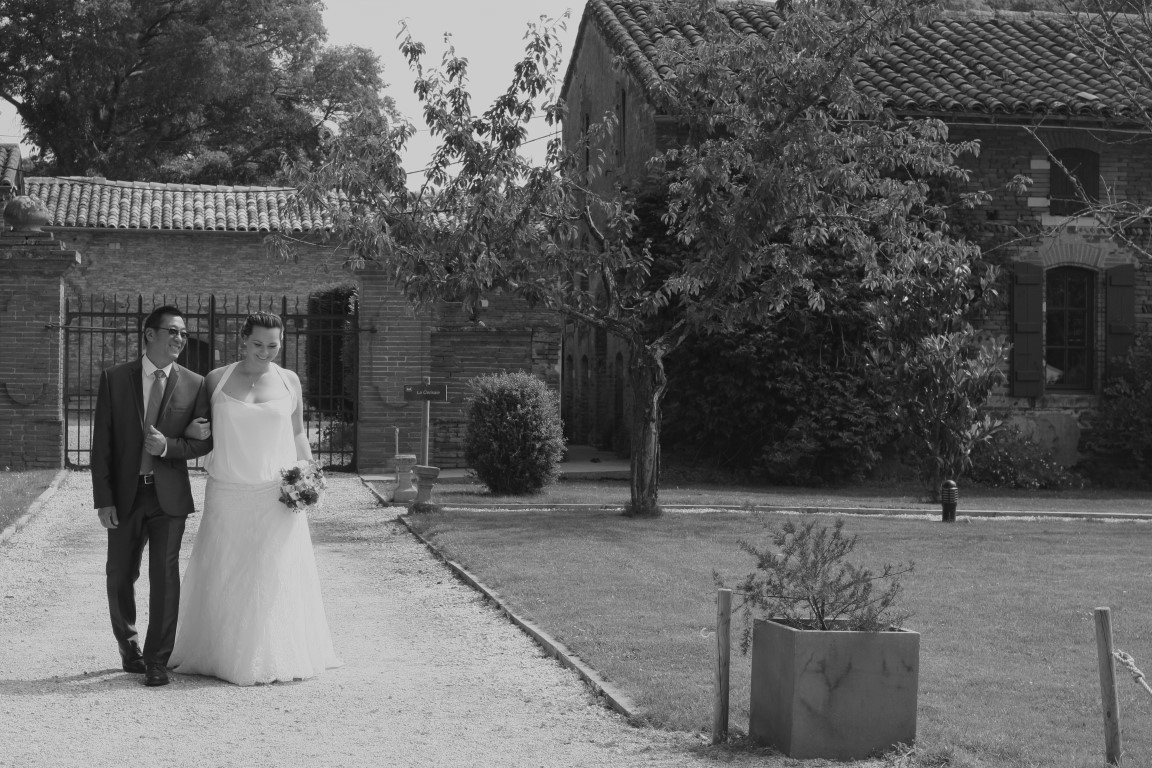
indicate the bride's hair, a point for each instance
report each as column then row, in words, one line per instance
column 263, row 320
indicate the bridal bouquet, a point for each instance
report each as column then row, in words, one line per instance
column 301, row 484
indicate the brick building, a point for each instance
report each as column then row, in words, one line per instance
column 1077, row 296
column 107, row 244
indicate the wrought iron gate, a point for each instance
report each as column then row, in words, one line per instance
column 321, row 344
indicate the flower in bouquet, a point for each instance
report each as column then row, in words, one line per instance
column 301, row 484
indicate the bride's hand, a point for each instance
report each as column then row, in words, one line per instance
column 199, row 429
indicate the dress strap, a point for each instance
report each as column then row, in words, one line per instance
column 284, row 378
column 224, row 379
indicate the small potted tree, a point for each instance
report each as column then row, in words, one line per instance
column 833, row 675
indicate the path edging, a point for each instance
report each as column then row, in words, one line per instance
column 802, row 510
column 15, row 526
column 615, row 698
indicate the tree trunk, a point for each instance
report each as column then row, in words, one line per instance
column 646, row 373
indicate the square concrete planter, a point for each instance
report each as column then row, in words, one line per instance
column 838, row 695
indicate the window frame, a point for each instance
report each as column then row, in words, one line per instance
column 1088, row 278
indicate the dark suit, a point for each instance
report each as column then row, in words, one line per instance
column 152, row 514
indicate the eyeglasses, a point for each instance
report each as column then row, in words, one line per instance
column 172, row 331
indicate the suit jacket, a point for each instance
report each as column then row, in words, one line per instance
column 118, row 438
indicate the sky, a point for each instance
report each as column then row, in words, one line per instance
column 489, row 35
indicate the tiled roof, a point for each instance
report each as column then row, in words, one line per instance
column 9, row 164
column 961, row 63
column 90, row 202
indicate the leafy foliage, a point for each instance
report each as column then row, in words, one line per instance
column 1122, row 430
column 791, row 400
column 804, row 579
column 514, row 440
column 817, row 393
column 205, row 91
column 838, row 432
column 937, row 366
column 1008, row 459
column 754, row 403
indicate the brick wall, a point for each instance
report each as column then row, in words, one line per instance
column 514, row 337
column 31, row 306
column 1019, row 228
column 153, row 262
column 595, row 88
column 395, row 350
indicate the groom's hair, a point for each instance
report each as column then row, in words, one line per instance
column 263, row 320
column 156, row 316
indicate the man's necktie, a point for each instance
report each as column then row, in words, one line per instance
column 154, row 397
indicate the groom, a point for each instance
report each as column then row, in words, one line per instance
column 140, row 484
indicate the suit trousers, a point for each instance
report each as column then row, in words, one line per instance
column 145, row 523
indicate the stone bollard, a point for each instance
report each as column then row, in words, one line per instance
column 405, row 491
column 425, row 480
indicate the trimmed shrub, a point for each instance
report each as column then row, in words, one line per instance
column 1008, row 459
column 514, row 439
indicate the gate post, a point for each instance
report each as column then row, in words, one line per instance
column 32, row 267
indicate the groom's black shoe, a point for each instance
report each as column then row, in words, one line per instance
column 131, row 659
column 156, row 674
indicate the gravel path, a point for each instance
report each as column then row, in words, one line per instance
column 432, row 676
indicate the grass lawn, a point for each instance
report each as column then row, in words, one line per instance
column 19, row 489
column 1008, row 659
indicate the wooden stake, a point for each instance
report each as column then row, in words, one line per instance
column 723, row 659
column 1108, row 700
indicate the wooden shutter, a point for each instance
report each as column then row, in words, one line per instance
column 1027, row 375
column 1120, row 301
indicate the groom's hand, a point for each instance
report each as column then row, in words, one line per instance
column 108, row 517
column 155, row 442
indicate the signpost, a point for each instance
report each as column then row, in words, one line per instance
column 427, row 392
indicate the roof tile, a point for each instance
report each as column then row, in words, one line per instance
column 92, row 202
column 961, row 62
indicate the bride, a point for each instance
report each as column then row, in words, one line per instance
column 250, row 608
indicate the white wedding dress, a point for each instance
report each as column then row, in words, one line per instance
column 250, row 607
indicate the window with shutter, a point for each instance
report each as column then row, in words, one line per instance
column 1070, row 337
column 1027, row 378
column 1121, row 315
column 1075, row 175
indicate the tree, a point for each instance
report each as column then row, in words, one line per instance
column 203, row 91
column 936, row 365
column 784, row 157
